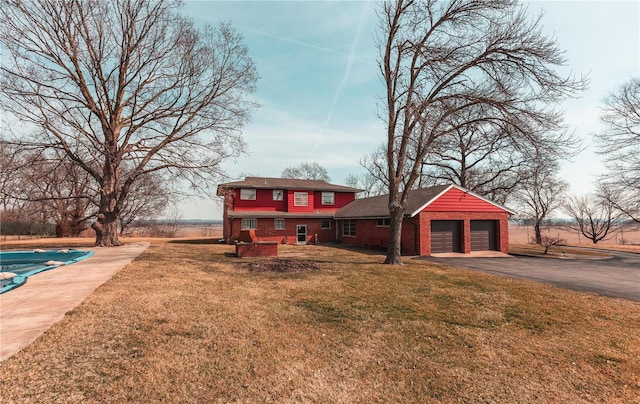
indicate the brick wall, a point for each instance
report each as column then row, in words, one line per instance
column 266, row 230
column 502, row 229
column 368, row 234
column 416, row 231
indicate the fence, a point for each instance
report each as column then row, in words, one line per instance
column 21, row 230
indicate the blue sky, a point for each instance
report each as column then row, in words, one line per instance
column 319, row 85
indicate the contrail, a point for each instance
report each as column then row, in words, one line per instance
column 345, row 77
column 309, row 45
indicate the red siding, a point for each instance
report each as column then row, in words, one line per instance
column 340, row 199
column 455, row 200
column 264, row 201
column 291, row 206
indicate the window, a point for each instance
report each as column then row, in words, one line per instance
column 277, row 194
column 383, row 222
column 328, row 198
column 300, row 199
column 248, row 194
column 349, row 228
column 278, row 224
column 326, row 224
column 249, row 224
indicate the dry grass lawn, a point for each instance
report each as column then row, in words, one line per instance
column 189, row 323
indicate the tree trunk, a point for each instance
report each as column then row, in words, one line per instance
column 106, row 227
column 538, row 232
column 106, row 231
column 394, row 252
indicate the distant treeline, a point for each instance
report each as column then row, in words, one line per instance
column 173, row 222
column 565, row 222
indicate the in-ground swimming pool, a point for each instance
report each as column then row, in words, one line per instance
column 17, row 266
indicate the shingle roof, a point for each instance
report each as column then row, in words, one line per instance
column 286, row 183
column 378, row 206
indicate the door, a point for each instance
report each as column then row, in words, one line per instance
column 483, row 235
column 446, row 236
column 301, row 231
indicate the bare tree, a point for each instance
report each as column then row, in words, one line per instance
column 484, row 158
column 149, row 198
column 439, row 59
column 595, row 217
column 125, row 81
column 48, row 184
column 476, row 159
column 541, row 193
column 620, row 144
column 306, row 171
column 370, row 185
column 9, row 180
column 63, row 190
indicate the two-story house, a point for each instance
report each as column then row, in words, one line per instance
column 438, row 219
column 284, row 210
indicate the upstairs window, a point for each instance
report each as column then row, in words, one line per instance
column 328, row 198
column 247, row 194
column 386, row 222
column 300, row 199
column 278, row 194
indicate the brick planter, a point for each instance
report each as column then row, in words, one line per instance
column 257, row 249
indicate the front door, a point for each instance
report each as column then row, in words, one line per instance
column 301, row 231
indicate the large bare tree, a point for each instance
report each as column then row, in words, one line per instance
column 438, row 59
column 125, row 82
column 620, row 144
column 484, row 158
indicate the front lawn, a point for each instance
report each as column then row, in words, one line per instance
column 192, row 323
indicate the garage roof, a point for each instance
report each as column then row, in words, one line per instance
column 419, row 199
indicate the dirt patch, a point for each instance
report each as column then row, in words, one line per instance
column 283, row 265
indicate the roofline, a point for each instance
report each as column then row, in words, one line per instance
column 466, row 191
column 329, row 186
column 363, row 217
column 413, row 214
column 280, row 215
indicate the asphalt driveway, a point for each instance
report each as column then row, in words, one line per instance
column 618, row 276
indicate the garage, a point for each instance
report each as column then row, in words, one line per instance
column 446, row 236
column 483, row 235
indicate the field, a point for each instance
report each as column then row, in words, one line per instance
column 191, row 323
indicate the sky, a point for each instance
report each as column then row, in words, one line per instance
column 319, row 84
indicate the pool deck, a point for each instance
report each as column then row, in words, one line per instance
column 28, row 311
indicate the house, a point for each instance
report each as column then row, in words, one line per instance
column 285, row 210
column 445, row 218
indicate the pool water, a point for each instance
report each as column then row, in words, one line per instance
column 17, row 266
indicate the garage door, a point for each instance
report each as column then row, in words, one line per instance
column 445, row 236
column 483, row 235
